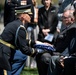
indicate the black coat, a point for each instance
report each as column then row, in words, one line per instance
column 47, row 20
column 22, row 43
column 66, row 39
column 9, row 11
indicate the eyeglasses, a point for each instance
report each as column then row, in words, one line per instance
column 65, row 17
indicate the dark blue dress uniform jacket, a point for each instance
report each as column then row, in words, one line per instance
column 8, row 35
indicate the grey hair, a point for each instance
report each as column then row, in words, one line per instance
column 70, row 12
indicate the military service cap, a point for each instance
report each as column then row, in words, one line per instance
column 23, row 9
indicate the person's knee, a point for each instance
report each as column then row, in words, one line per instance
column 46, row 57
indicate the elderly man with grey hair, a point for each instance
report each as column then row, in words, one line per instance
column 64, row 5
column 64, row 41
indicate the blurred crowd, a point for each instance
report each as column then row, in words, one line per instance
column 52, row 25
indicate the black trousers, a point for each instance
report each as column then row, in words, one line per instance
column 1, row 72
column 70, row 66
column 43, row 63
column 55, row 67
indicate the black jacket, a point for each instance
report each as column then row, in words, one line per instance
column 47, row 19
column 66, row 39
column 9, row 11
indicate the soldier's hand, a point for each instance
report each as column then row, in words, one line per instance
column 34, row 52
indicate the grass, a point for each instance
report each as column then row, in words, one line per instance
column 29, row 71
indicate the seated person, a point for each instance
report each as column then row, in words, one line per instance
column 66, row 39
column 62, row 41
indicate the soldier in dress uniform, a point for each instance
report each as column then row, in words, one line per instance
column 14, row 37
column 9, row 16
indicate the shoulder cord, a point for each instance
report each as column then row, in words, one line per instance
column 16, row 36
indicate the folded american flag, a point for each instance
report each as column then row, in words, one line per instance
column 44, row 47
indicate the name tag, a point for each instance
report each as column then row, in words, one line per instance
column 23, row 2
column 53, row 10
